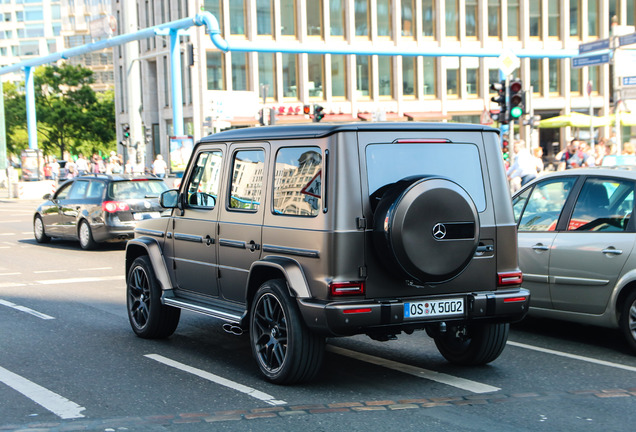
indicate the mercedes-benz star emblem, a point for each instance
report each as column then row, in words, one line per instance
column 439, row 231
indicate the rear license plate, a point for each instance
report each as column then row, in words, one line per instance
column 146, row 215
column 434, row 308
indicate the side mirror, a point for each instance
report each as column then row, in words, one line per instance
column 169, row 198
column 47, row 196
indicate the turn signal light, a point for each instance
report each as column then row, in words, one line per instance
column 346, row 288
column 114, row 206
column 509, row 278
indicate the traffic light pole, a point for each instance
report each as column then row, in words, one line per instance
column 511, row 123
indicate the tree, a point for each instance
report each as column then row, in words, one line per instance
column 70, row 114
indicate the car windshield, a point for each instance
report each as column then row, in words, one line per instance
column 136, row 189
column 389, row 163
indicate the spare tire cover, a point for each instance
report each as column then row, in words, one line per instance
column 426, row 229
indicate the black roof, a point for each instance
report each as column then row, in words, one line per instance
column 315, row 130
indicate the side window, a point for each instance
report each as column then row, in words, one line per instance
column 203, row 187
column 63, row 192
column 519, row 202
column 78, row 191
column 603, row 205
column 545, row 205
column 95, row 189
column 247, row 179
column 297, row 181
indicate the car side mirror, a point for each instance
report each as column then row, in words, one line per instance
column 169, row 198
column 47, row 196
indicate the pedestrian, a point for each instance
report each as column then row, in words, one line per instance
column 537, row 152
column 524, row 165
column 574, row 157
column 81, row 165
column 159, row 167
column 55, row 168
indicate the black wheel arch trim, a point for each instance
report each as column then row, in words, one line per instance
column 151, row 247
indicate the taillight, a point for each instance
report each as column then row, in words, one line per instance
column 357, row 310
column 346, row 288
column 509, row 278
column 515, row 299
column 422, row 140
column 114, row 206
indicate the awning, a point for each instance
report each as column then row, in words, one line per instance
column 574, row 119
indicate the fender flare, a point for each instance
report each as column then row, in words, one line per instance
column 291, row 270
column 151, row 247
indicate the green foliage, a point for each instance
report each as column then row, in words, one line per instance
column 71, row 116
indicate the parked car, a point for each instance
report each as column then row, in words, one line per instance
column 576, row 239
column 98, row 208
column 294, row 233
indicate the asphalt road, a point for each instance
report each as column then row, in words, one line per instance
column 69, row 361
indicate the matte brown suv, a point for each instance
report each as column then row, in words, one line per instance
column 296, row 233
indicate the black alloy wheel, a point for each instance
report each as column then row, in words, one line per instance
column 284, row 348
column 148, row 317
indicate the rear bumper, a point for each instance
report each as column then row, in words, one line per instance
column 355, row 317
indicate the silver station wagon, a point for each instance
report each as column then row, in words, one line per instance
column 297, row 233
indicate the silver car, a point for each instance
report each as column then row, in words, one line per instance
column 576, row 238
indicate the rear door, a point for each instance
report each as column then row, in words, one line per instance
column 71, row 207
column 241, row 218
column 195, row 228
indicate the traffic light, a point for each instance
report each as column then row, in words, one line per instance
column 517, row 99
column 500, row 89
column 126, row 131
column 306, row 109
column 318, row 113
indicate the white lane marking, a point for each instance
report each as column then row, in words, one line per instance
column 25, row 309
column 80, row 280
column 10, row 274
column 95, row 268
column 8, row 234
column 58, row 405
column 462, row 383
column 11, row 284
column 49, row 271
column 26, row 232
column 574, row 356
column 5, row 247
column 218, row 380
column 10, row 221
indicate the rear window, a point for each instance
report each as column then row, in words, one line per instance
column 136, row 189
column 389, row 163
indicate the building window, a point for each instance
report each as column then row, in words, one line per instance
column 471, row 18
column 237, row 17
column 494, row 18
column 288, row 17
column 553, row 18
column 384, row 17
column 428, row 18
column 554, row 82
column 535, row 75
column 575, row 81
column 594, row 73
column 409, row 76
column 290, row 76
column 429, row 76
column 314, row 18
column 338, row 76
column 297, row 181
column 363, row 76
column 513, row 18
column 385, row 76
column 316, row 66
column 452, row 78
column 535, row 18
column 575, row 18
column 266, row 77
column 361, row 8
column 493, row 77
column 239, row 71
column 614, row 11
column 215, row 8
column 336, row 17
column 33, row 13
column 247, row 180
column 408, row 18
column 264, row 17
column 214, row 65
column 452, row 18
column 472, row 81
column 592, row 17
column 630, row 12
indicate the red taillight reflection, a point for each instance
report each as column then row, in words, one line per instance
column 357, row 311
column 515, row 299
column 114, row 206
column 346, row 288
column 510, row 278
column 422, row 140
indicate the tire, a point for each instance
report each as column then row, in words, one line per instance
column 39, row 232
column 284, row 349
column 627, row 321
column 425, row 229
column 482, row 343
column 148, row 317
column 85, row 236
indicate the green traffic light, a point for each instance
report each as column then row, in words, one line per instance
column 516, row 112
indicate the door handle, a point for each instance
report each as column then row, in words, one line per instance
column 540, row 247
column 612, row 251
column 208, row 240
column 253, row 246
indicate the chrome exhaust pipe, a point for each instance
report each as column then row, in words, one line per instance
column 232, row 329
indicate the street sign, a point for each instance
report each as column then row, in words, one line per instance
column 628, row 93
column 629, row 81
column 593, row 60
column 508, row 62
column 627, row 39
column 596, row 45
